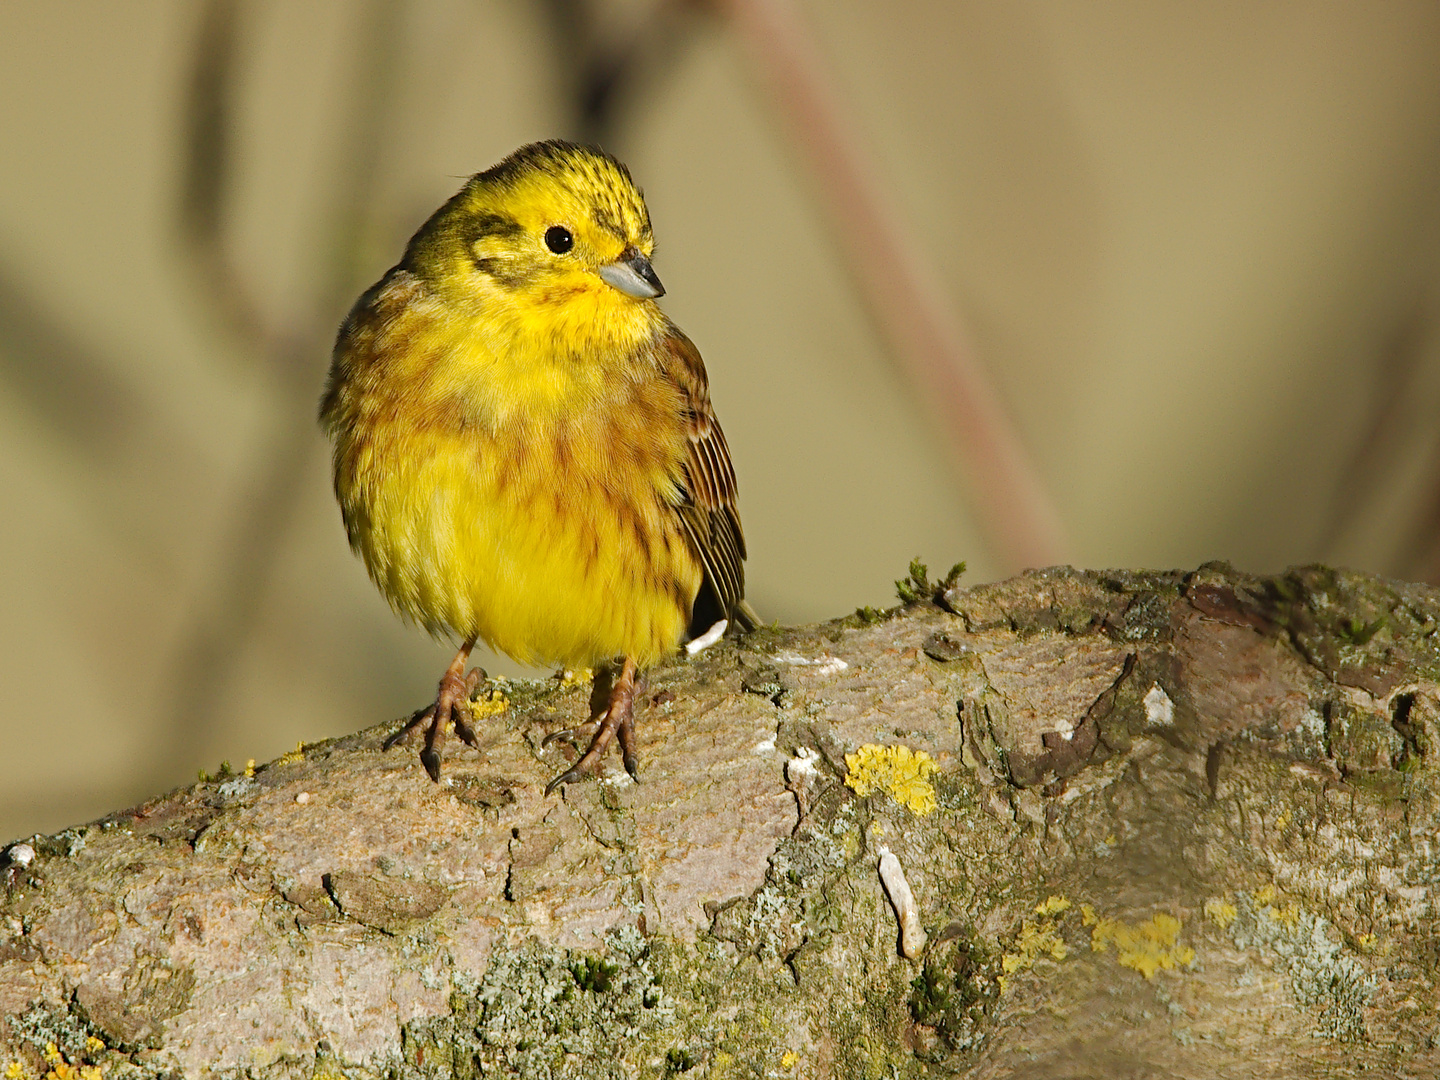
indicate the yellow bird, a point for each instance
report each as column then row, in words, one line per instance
column 524, row 448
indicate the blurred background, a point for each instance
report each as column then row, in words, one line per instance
column 1116, row 284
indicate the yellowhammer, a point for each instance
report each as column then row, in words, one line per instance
column 524, row 448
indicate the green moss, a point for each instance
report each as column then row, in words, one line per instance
column 1356, row 632
column 594, row 974
column 917, row 586
column 679, row 1061
column 956, row 988
column 224, row 772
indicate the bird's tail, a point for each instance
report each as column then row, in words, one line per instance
column 746, row 617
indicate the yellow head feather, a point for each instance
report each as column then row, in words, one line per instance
column 491, row 236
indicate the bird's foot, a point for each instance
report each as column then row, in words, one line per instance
column 617, row 722
column 572, row 735
column 452, row 706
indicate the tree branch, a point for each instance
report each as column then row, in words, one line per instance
column 1163, row 824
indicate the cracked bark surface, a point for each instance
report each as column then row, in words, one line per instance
column 1185, row 825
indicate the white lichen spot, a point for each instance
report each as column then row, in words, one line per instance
column 237, row 788
column 803, row 765
column 20, row 854
column 303, row 798
column 1159, row 709
column 825, row 665
column 765, row 746
column 708, row 638
column 912, row 934
column 1322, row 972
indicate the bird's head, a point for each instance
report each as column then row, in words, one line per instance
column 551, row 224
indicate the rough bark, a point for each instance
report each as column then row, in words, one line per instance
column 1182, row 825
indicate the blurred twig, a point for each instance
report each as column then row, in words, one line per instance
column 1395, row 376
column 208, row 171
column 609, row 52
column 1419, row 556
column 93, row 410
column 930, row 344
column 1402, row 407
column 64, row 382
column 223, row 611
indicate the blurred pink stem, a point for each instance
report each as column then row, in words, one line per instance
column 1020, row 521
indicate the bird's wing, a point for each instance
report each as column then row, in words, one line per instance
column 708, row 503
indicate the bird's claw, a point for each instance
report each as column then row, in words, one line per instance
column 452, row 704
column 418, row 717
column 616, row 723
column 568, row 777
column 556, row 736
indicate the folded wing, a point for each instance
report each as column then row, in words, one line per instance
column 708, row 500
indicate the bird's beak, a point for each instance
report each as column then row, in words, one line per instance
column 633, row 274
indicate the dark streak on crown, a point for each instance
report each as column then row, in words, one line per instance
column 552, row 152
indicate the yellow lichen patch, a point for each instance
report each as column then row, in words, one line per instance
column 1366, row 942
column 1289, row 914
column 249, row 771
column 14, row 1071
column 1283, row 820
column 902, row 772
column 298, row 754
column 577, row 677
column 1035, row 941
column 60, row 1068
column 1145, row 947
column 1265, row 898
column 491, row 702
column 789, row 1060
column 1220, row 911
column 1052, row 905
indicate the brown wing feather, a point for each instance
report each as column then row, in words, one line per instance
column 708, row 500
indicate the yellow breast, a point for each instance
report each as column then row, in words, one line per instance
column 502, row 485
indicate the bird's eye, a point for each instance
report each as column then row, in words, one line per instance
column 558, row 239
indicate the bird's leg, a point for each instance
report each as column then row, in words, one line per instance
column 618, row 719
column 452, row 703
column 626, row 732
column 600, row 687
